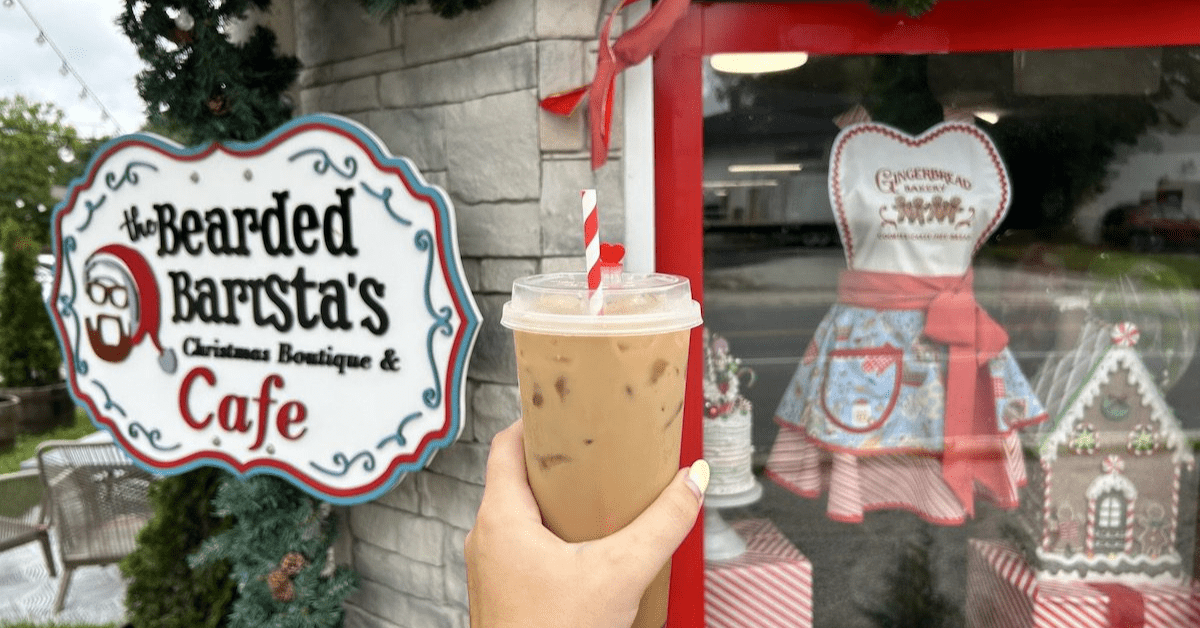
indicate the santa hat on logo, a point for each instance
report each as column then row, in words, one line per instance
column 148, row 320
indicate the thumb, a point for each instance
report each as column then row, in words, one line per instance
column 648, row 541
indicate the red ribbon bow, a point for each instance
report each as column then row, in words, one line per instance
column 630, row 49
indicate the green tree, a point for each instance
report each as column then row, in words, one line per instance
column 37, row 151
column 28, row 348
column 198, row 80
column 164, row 591
column 200, row 86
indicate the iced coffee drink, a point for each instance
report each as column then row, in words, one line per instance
column 602, row 396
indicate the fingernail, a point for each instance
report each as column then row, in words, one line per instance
column 697, row 478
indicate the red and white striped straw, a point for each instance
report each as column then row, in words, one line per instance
column 591, row 250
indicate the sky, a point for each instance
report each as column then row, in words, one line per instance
column 86, row 33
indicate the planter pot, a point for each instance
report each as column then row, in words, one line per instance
column 43, row 408
column 9, row 416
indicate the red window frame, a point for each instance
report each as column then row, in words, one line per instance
column 847, row 27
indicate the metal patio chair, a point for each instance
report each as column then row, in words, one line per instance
column 23, row 517
column 99, row 500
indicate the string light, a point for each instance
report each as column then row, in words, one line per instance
column 67, row 68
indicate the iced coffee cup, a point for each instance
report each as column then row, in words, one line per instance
column 602, row 396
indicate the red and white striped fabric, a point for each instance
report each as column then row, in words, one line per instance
column 1003, row 590
column 858, row 484
column 770, row 585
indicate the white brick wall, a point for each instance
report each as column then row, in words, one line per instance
column 459, row 97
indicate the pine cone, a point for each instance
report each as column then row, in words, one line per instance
column 281, row 586
column 292, row 563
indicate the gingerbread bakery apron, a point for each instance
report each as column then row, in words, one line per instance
column 907, row 396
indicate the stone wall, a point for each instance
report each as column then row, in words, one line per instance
column 459, row 97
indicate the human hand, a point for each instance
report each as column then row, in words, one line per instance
column 519, row 574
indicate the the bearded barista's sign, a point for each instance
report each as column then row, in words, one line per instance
column 293, row 306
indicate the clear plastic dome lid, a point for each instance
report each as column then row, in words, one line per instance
column 633, row 304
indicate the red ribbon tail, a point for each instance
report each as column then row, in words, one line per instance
column 564, row 103
column 1126, row 606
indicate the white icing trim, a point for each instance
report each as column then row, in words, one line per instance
column 1057, row 568
column 1109, row 362
column 1112, row 482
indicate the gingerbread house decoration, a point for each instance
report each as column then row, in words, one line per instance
column 1112, row 459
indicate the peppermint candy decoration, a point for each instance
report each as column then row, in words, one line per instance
column 1125, row 334
column 1113, row 464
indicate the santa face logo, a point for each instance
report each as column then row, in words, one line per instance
column 120, row 286
column 114, row 295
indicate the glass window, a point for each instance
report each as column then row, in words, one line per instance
column 849, row 197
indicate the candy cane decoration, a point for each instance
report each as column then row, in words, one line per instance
column 1129, row 526
column 1175, row 505
column 591, row 250
column 1090, row 542
column 1046, row 505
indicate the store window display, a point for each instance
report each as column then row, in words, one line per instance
column 968, row 193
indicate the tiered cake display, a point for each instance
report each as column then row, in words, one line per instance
column 727, row 420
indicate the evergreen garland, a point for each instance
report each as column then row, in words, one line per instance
column 444, row 8
column 164, row 592
column 279, row 548
column 201, row 84
column 911, row 7
column 272, row 540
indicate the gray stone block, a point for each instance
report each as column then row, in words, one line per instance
column 403, row 496
column 562, row 134
column 570, row 18
column 497, row 406
column 356, row 617
column 426, row 614
column 328, row 30
column 573, row 264
column 455, row 542
column 456, row 568
column 374, row 601
column 463, row 460
column 472, row 273
column 492, row 148
column 561, row 219
column 456, row 586
column 343, row 545
column 419, row 134
column 560, row 66
column 498, row 229
column 413, row 536
column 370, row 65
column 492, row 360
column 428, row 37
column 358, row 94
column 406, row 575
column 448, row 499
column 508, row 69
column 437, row 177
column 497, row 274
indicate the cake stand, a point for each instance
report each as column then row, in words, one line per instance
column 721, row 542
